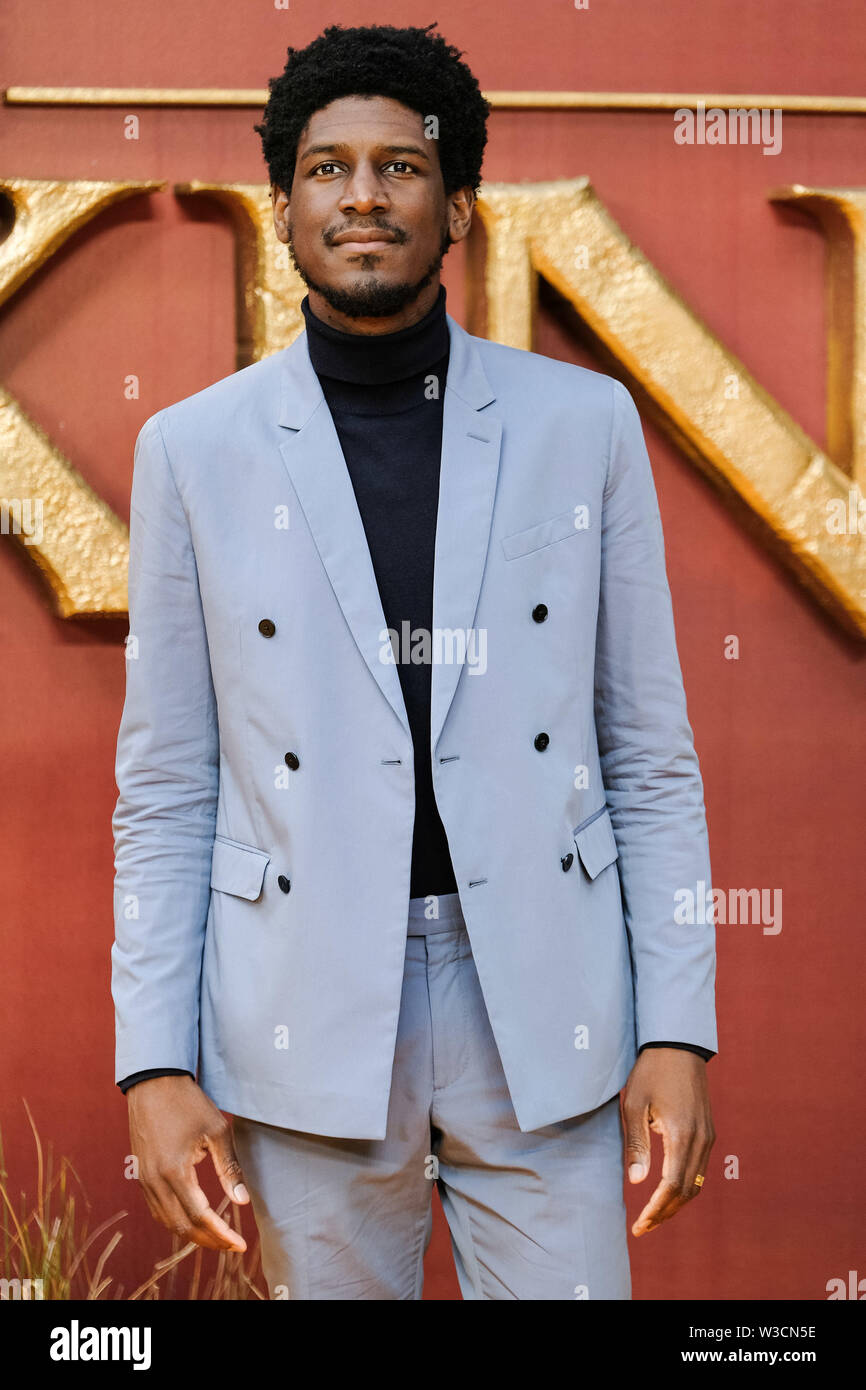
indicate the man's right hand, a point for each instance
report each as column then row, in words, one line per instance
column 172, row 1126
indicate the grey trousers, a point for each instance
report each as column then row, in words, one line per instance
column 536, row 1216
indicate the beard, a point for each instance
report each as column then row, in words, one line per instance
column 371, row 298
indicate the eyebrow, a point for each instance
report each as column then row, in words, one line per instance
column 340, row 148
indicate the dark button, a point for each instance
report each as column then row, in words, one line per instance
column 293, row 761
column 284, row 883
column 541, row 741
column 567, row 862
column 539, row 612
column 267, row 628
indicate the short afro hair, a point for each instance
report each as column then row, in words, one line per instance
column 410, row 65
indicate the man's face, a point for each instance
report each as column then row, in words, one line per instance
column 365, row 168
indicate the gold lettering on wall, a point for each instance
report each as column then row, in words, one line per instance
column 841, row 212
column 79, row 544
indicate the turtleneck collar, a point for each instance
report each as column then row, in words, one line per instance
column 373, row 359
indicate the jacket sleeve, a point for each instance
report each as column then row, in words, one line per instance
column 167, row 773
column 649, row 766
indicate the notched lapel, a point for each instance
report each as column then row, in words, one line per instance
column 471, row 445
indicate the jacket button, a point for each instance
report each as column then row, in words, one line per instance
column 293, row 761
column 567, row 862
column 267, row 628
column 539, row 612
column 284, row 883
column 541, row 741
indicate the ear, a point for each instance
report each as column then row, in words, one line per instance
column 280, row 205
column 461, row 207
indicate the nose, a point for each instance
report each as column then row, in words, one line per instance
column 364, row 191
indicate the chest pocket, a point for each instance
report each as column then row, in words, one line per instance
column 556, row 528
column 596, row 843
column 237, row 868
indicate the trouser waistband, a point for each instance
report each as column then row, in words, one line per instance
column 445, row 914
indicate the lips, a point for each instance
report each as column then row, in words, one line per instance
column 369, row 239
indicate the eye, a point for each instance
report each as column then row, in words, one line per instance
column 405, row 163
column 328, row 164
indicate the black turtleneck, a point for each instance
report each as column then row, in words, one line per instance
column 385, row 393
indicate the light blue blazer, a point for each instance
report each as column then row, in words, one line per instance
column 257, row 632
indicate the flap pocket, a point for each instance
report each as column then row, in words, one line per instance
column 596, row 843
column 237, row 868
column 557, row 528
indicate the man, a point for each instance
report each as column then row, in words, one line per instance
column 406, row 782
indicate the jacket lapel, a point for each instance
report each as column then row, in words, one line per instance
column 471, row 443
column 314, row 459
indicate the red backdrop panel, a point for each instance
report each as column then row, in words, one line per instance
column 147, row 289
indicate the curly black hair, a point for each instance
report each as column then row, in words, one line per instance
column 410, row 65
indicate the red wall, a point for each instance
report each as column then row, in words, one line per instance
column 148, row 289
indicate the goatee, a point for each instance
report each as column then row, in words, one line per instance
column 371, row 298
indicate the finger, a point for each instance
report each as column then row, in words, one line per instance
column 699, row 1163
column 202, row 1219
column 228, row 1168
column 670, row 1193
column 637, row 1141
column 702, row 1141
column 682, row 1187
column 158, row 1196
column 168, row 1211
column 651, row 1216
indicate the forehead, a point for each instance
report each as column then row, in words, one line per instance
column 363, row 120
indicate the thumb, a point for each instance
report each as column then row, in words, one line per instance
column 228, row 1169
column 638, row 1145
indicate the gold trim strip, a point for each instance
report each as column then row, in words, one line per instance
column 676, row 101
column 133, row 96
column 562, row 101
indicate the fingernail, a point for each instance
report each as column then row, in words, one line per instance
column 636, row 1172
column 240, row 1193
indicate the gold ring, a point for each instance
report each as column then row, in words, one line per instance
column 699, row 1180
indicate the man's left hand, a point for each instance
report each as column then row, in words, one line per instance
column 667, row 1092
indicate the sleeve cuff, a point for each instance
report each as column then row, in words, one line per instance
column 683, row 1047
column 137, row 1076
